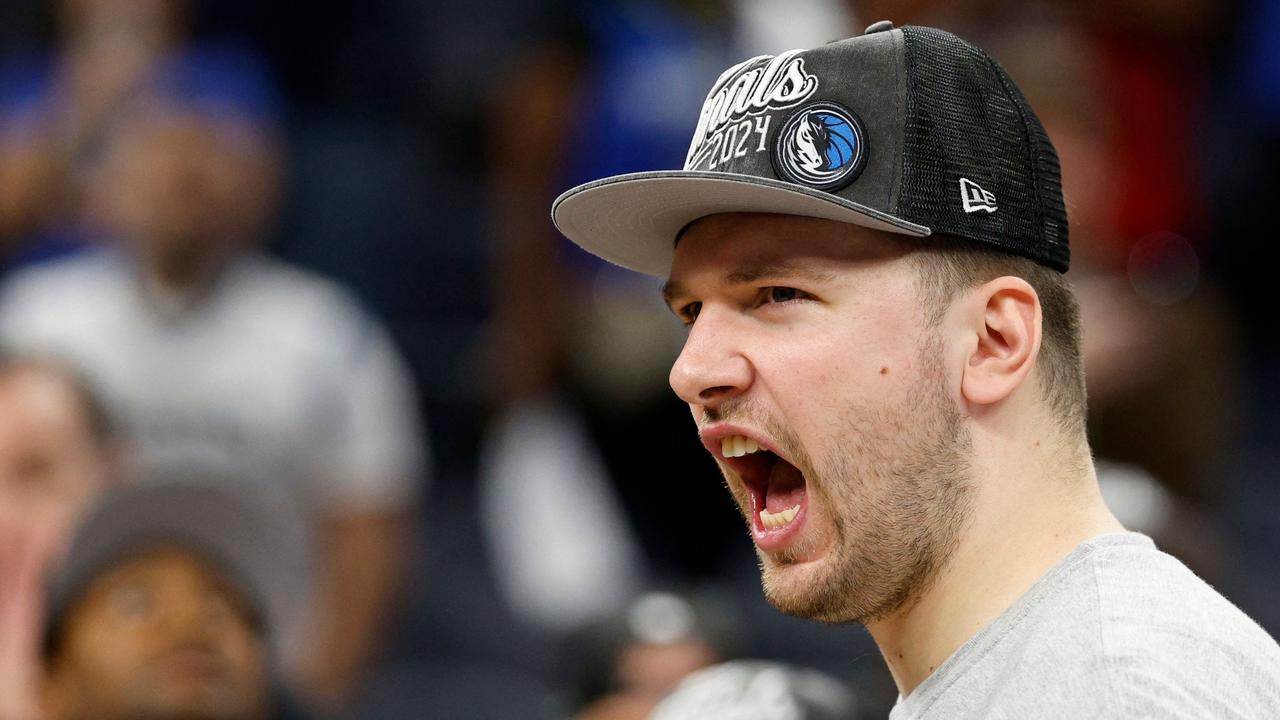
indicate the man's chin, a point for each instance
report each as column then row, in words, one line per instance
column 801, row 587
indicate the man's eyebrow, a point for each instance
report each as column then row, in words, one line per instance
column 755, row 273
column 673, row 289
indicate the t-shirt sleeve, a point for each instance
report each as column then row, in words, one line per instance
column 374, row 458
column 22, row 323
column 10, row 324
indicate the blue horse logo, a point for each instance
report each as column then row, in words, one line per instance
column 822, row 146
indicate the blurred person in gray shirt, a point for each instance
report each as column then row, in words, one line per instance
column 207, row 350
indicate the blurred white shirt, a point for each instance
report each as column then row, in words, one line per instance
column 275, row 374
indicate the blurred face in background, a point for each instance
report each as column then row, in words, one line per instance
column 162, row 636
column 52, row 460
column 187, row 190
column 134, row 20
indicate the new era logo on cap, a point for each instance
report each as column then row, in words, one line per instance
column 975, row 198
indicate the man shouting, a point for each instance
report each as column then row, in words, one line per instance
column 867, row 244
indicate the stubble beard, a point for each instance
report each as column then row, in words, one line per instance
column 898, row 493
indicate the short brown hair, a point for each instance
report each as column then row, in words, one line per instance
column 948, row 266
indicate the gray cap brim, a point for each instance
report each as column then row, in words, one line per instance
column 633, row 220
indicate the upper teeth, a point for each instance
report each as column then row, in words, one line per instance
column 737, row 446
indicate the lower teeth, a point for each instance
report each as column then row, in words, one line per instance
column 778, row 519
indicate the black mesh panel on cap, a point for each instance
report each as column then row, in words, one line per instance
column 966, row 119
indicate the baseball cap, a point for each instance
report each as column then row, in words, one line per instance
column 757, row 690
column 907, row 130
column 222, row 519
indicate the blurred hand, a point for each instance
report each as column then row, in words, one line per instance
column 21, row 611
column 110, row 46
column 618, row 707
column 97, row 79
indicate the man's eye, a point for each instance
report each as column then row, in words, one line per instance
column 783, row 294
column 689, row 312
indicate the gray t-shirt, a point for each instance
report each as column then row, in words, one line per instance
column 1117, row 629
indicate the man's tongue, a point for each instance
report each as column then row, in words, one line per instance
column 786, row 487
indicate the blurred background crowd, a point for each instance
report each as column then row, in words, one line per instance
column 307, row 247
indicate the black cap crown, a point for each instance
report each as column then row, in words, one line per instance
column 912, row 131
column 976, row 162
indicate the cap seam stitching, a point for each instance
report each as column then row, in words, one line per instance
column 908, row 111
column 895, row 185
column 1031, row 152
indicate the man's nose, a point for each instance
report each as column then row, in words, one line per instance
column 711, row 368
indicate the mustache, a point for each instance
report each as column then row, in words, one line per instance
column 737, row 410
column 746, row 412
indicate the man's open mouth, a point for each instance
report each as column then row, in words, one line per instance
column 777, row 489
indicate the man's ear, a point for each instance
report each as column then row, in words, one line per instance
column 1005, row 316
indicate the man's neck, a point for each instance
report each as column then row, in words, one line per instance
column 173, row 288
column 1018, row 531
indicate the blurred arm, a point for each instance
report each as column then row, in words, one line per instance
column 29, row 187
column 363, row 557
column 372, row 462
column 100, row 67
column 21, row 603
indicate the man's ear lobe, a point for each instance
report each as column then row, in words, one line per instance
column 1006, row 319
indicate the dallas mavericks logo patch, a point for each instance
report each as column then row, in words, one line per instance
column 823, row 146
